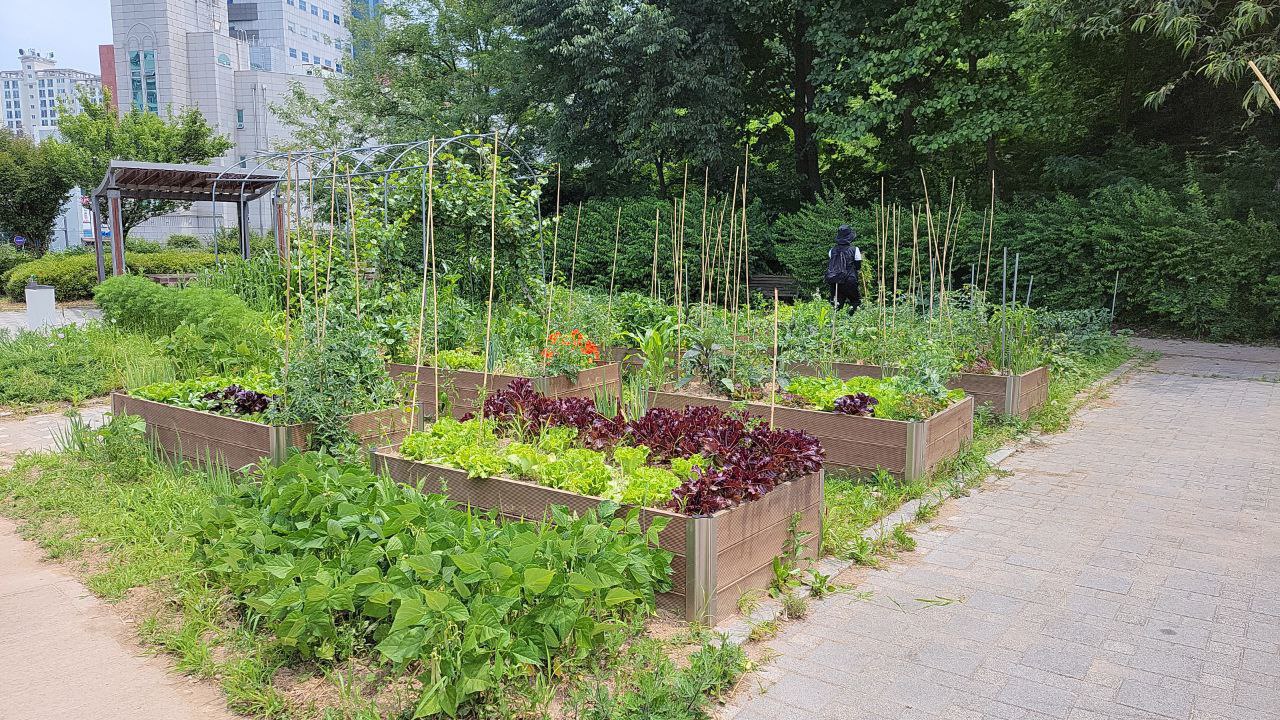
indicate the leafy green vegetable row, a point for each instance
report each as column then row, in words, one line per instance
column 333, row 560
column 551, row 459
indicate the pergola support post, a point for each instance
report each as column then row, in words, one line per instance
column 242, row 222
column 115, row 213
column 95, row 212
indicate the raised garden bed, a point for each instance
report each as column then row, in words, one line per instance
column 909, row 449
column 1018, row 395
column 460, row 388
column 201, row 436
column 716, row 558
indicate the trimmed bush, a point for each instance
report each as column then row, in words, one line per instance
column 11, row 256
column 184, row 242
column 142, row 246
column 73, row 276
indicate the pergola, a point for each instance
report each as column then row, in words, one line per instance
column 183, row 183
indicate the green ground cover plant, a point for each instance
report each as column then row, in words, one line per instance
column 74, row 275
column 404, row 605
column 331, row 559
column 69, row 364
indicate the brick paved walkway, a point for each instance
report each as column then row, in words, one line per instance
column 16, row 321
column 1129, row 568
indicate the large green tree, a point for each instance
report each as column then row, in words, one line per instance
column 423, row 68
column 623, row 85
column 929, row 80
column 96, row 135
column 1217, row 39
column 36, row 182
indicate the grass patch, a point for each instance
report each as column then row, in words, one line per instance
column 108, row 505
column 69, row 364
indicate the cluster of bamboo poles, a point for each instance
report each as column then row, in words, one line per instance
column 723, row 256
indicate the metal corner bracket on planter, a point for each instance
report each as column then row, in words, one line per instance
column 1008, row 394
column 200, row 436
column 715, row 559
column 461, row 388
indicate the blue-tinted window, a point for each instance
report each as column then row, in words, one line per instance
column 337, row 19
column 293, row 52
column 325, row 14
column 305, row 56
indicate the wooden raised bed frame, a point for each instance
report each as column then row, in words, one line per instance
column 461, row 387
column 201, row 436
column 716, row 559
column 908, row 449
column 1017, row 395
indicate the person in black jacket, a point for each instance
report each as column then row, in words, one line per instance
column 844, row 261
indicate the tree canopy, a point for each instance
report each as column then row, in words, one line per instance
column 37, row 179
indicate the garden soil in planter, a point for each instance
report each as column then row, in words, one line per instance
column 716, row 558
column 199, row 436
column 460, row 388
column 908, row 449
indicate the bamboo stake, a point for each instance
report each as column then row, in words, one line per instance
column 746, row 244
column 896, row 226
column 1266, row 85
column 991, row 236
column 435, row 295
column 773, row 387
column 355, row 246
column 551, row 282
column 422, row 304
column 613, row 272
column 288, row 274
column 493, row 251
column 653, row 276
column 702, row 242
column 328, row 267
column 573, row 264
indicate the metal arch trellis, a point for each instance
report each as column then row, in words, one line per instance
column 364, row 159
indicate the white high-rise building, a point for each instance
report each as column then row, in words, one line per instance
column 294, row 36
column 176, row 54
column 32, row 98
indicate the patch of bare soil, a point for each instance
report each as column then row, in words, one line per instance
column 359, row 683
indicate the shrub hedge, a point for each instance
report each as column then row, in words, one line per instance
column 73, row 276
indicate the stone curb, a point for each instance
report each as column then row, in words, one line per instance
column 737, row 629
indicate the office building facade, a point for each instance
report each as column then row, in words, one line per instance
column 176, row 54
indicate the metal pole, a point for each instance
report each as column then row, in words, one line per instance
column 242, row 222
column 1016, row 257
column 1004, row 289
column 1029, row 284
column 1114, row 288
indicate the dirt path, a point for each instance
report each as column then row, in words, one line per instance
column 1127, row 569
column 64, row 653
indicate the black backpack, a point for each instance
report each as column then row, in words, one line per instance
column 840, row 264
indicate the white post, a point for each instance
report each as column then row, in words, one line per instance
column 41, row 310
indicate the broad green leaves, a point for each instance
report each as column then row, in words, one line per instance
column 331, row 558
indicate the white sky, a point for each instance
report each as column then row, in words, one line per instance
column 71, row 29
